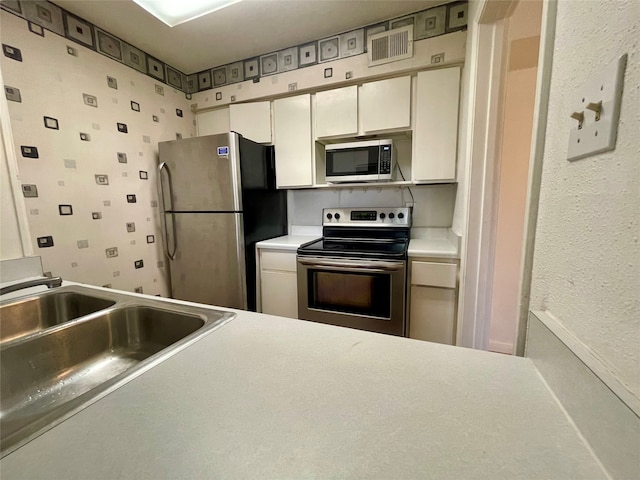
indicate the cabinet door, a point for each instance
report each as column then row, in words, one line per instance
column 213, row 122
column 337, row 112
column 432, row 314
column 293, row 142
column 435, row 137
column 385, row 105
column 251, row 120
column 279, row 293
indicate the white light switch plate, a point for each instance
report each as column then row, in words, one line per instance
column 597, row 136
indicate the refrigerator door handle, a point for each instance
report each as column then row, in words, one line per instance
column 172, row 255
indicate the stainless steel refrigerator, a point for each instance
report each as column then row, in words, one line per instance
column 218, row 199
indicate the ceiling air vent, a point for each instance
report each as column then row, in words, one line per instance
column 385, row 47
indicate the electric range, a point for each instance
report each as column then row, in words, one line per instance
column 355, row 275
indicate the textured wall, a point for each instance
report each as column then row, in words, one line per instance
column 587, row 256
column 90, row 202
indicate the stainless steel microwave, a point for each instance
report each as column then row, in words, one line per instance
column 367, row 161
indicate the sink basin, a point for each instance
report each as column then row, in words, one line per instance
column 48, row 376
column 24, row 317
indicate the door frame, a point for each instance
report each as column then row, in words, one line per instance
column 486, row 64
column 9, row 152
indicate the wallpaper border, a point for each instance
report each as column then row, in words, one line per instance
column 428, row 23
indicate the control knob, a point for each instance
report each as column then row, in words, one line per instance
column 382, row 215
column 401, row 215
column 337, row 215
column 391, row 215
column 329, row 216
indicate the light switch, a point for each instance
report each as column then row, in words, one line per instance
column 596, row 111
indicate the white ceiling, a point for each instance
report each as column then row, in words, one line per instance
column 243, row 30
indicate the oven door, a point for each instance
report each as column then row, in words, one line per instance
column 355, row 293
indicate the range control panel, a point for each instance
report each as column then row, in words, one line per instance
column 367, row 217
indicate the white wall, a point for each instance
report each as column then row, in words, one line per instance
column 586, row 269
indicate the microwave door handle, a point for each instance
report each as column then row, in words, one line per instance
column 374, row 267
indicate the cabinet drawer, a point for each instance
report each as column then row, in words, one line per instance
column 434, row 274
column 282, row 261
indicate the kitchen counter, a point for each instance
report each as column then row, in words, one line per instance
column 287, row 242
column 269, row 397
column 434, row 242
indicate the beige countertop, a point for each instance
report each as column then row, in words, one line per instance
column 434, row 242
column 270, row 397
column 287, row 242
column 425, row 242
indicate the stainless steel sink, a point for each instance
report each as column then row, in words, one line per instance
column 50, row 375
column 29, row 315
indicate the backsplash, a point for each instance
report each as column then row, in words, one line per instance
column 86, row 131
column 433, row 203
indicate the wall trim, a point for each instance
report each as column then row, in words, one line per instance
column 590, row 359
column 500, row 347
column 606, row 413
column 478, row 242
column 538, row 138
column 14, row 175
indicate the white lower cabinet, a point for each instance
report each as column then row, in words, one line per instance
column 433, row 297
column 280, row 293
column 278, row 283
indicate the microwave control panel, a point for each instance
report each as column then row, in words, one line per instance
column 385, row 159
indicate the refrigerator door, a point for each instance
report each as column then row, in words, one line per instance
column 254, row 165
column 208, row 265
column 200, row 174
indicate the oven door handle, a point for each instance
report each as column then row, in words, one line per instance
column 353, row 266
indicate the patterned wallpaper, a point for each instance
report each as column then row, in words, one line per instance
column 42, row 15
column 86, row 131
column 427, row 23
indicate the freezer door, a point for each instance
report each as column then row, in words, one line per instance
column 208, row 265
column 200, row 174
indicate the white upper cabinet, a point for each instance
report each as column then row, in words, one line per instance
column 213, row 122
column 435, row 135
column 293, row 141
column 251, row 120
column 385, row 105
column 337, row 112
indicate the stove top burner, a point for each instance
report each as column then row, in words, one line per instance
column 362, row 233
column 356, row 248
